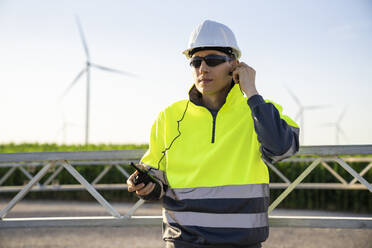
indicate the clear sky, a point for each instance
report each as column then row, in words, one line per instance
column 320, row 50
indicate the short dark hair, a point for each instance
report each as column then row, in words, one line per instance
column 227, row 50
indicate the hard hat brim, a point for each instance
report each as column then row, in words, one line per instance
column 236, row 52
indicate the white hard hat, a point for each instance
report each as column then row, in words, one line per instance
column 212, row 34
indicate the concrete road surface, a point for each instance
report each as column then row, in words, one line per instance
column 150, row 237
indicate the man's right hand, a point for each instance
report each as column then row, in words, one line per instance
column 140, row 189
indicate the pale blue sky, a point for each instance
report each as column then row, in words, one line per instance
column 321, row 50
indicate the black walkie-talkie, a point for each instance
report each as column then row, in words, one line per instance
column 143, row 176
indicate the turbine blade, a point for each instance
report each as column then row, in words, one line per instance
column 104, row 68
column 343, row 134
column 341, row 115
column 316, row 107
column 294, row 97
column 299, row 113
column 82, row 37
column 73, row 82
column 342, row 131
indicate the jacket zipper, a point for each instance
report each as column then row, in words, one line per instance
column 214, row 125
column 214, row 128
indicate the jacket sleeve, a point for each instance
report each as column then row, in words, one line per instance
column 277, row 133
column 154, row 159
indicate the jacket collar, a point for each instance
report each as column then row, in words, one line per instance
column 234, row 94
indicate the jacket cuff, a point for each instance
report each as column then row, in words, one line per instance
column 255, row 100
column 154, row 195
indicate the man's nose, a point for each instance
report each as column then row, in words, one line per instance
column 203, row 67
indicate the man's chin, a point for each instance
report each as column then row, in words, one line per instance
column 206, row 90
column 210, row 89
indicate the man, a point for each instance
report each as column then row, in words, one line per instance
column 207, row 153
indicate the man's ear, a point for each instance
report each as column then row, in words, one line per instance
column 234, row 63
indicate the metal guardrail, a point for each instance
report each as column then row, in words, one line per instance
column 109, row 160
column 321, row 155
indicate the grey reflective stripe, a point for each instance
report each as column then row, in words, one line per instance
column 220, row 192
column 292, row 149
column 217, row 220
column 295, row 129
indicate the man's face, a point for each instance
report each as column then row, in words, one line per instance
column 210, row 80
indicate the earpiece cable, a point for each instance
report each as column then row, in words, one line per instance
column 179, row 134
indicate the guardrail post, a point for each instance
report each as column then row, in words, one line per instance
column 294, row 184
column 364, row 171
column 25, row 189
column 134, row 208
column 354, row 173
column 91, row 189
column 335, row 174
column 55, row 173
column 276, row 171
column 7, row 175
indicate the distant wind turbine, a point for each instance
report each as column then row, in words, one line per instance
column 337, row 126
column 62, row 131
column 300, row 113
column 86, row 71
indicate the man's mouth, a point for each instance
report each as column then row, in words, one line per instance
column 205, row 80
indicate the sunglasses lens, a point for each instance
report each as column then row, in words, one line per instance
column 196, row 62
column 210, row 60
column 214, row 61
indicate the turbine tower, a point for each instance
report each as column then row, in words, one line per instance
column 300, row 114
column 336, row 125
column 86, row 70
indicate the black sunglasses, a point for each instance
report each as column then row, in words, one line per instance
column 210, row 60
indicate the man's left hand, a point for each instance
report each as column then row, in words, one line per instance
column 245, row 76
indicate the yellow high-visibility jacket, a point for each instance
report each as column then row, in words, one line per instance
column 210, row 165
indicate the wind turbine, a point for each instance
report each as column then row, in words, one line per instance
column 300, row 113
column 86, row 70
column 63, row 130
column 337, row 126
